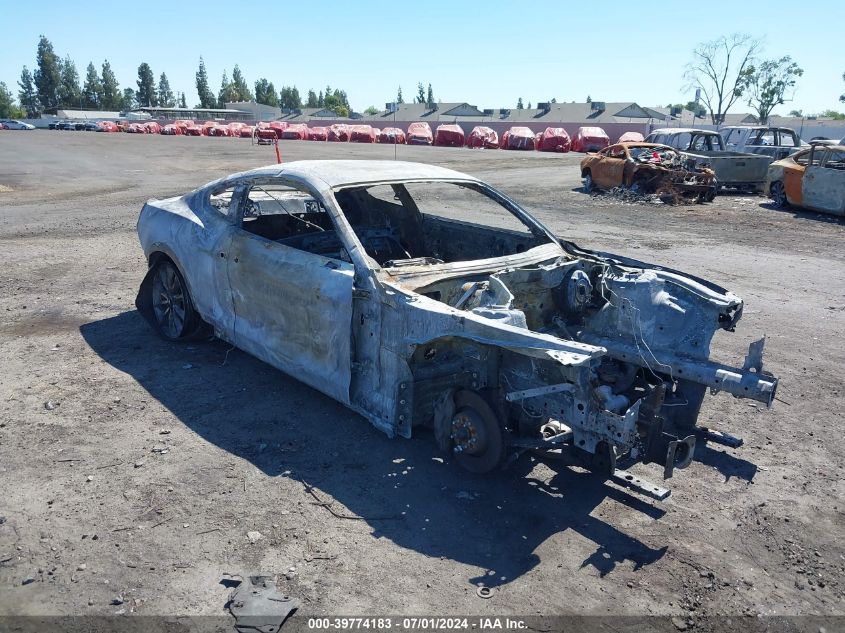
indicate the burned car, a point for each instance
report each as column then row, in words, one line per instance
column 812, row 179
column 648, row 168
column 774, row 142
column 419, row 296
column 737, row 170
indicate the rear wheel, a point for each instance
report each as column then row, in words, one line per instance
column 477, row 435
column 174, row 313
column 778, row 194
column 707, row 196
column 588, row 182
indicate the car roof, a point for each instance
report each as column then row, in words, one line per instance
column 338, row 173
column 757, row 127
column 682, row 130
column 633, row 144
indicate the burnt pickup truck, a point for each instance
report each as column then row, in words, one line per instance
column 734, row 169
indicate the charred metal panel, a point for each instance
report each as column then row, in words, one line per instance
column 823, row 188
column 194, row 245
column 293, row 310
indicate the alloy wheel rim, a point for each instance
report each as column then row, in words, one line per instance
column 169, row 301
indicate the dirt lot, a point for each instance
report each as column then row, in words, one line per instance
column 133, row 469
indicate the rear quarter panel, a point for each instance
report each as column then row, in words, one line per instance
column 193, row 241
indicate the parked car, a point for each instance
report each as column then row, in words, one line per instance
column 419, row 133
column 235, row 128
column 632, row 137
column 296, row 131
column 812, row 179
column 774, row 142
column 318, row 133
column 372, row 282
column 449, row 135
column 14, row 124
column 278, row 127
column 264, row 133
column 553, row 139
column 183, row 125
column 362, row 134
column 518, row 137
column 483, row 137
column 737, row 170
column 648, row 168
column 823, row 140
column 392, row 136
column 589, row 139
column 67, row 124
column 338, row 133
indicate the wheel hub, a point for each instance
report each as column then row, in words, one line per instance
column 468, row 432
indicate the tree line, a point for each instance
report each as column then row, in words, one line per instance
column 288, row 98
column 723, row 72
column 55, row 83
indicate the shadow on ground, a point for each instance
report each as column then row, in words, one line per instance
column 801, row 214
column 428, row 505
column 727, row 464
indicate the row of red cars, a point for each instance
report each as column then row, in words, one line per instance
column 552, row 139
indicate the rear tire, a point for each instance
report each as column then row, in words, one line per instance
column 778, row 193
column 707, row 196
column 173, row 310
column 588, row 182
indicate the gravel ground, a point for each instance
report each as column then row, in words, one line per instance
column 132, row 470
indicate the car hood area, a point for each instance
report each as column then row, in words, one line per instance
column 577, row 305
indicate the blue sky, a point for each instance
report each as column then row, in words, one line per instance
column 486, row 53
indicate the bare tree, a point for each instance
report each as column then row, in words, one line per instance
column 842, row 97
column 765, row 85
column 717, row 69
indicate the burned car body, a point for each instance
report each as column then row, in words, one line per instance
column 813, row 179
column 737, row 170
column 774, row 142
column 648, row 168
column 368, row 281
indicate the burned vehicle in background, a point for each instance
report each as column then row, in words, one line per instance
column 735, row 170
column 774, row 142
column 419, row 296
column 812, row 179
column 648, row 168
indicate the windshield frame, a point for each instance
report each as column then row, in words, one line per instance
column 534, row 226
